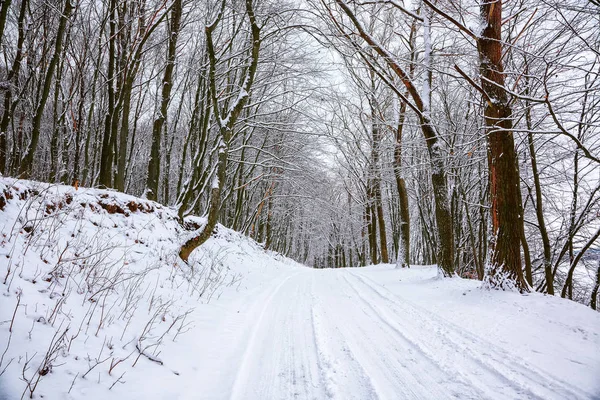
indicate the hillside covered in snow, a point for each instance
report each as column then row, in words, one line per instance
column 96, row 304
column 95, row 301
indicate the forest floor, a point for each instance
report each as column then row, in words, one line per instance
column 95, row 304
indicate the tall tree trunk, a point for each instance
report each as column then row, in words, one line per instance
column 374, row 247
column 404, row 245
column 371, row 233
column 106, row 158
column 167, row 186
column 269, row 227
column 479, row 268
column 57, row 131
column 375, row 173
column 123, row 103
column 594, row 299
column 157, row 128
column 443, row 216
column 78, row 127
column 539, row 210
column 505, row 264
column 362, row 251
column 27, row 161
column 382, row 232
column 445, row 227
column 123, row 137
column 571, row 237
column 12, row 79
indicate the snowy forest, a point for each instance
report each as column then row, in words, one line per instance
column 339, row 134
column 458, row 134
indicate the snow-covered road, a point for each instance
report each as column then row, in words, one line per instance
column 319, row 334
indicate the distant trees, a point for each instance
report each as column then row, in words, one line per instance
column 420, row 105
column 121, row 94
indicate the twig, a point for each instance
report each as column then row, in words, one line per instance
column 156, row 360
column 117, row 381
column 73, row 383
column 15, row 312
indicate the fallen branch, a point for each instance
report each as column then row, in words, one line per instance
column 149, row 357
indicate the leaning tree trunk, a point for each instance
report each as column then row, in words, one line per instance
column 505, row 269
column 214, row 208
column 567, row 290
column 226, row 122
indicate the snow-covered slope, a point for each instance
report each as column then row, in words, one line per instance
column 94, row 301
column 95, row 304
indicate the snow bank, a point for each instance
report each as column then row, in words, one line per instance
column 94, row 300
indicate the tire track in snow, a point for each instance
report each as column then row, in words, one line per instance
column 444, row 336
column 436, row 353
column 501, row 357
column 280, row 360
column 463, row 388
column 395, row 367
column 342, row 375
column 227, row 344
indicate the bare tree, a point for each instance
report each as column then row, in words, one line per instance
column 225, row 119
